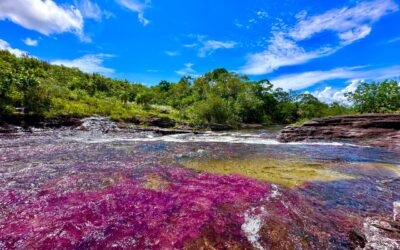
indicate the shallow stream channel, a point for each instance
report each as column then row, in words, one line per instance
column 71, row 189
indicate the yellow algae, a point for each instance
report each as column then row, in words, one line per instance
column 285, row 172
column 155, row 182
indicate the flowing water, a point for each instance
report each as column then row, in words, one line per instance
column 239, row 190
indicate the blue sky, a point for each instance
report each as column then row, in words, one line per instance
column 322, row 47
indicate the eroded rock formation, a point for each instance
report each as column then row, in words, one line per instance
column 374, row 129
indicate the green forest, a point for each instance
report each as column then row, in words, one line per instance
column 30, row 88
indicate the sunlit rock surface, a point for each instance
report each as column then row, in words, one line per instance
column 91, row 189
column 382, row 130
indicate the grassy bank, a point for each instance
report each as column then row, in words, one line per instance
column 33, row 88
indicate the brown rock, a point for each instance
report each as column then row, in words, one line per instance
column 63, row 122
column 219, row 127
column 251, row 126
column 357, row 239
column 7, row 128
column 396, row 211
column 161, row 122
column 381, row 233
column 381, row 130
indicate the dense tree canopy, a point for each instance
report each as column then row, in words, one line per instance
column 376, row 97
column 35, row 88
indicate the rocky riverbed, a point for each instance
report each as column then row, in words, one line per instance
column 100, row 185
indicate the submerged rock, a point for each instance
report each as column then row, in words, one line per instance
column 286, row 172
column 374, row 129
column 8, row 128
column 381, row 234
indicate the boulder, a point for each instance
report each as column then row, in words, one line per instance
column 251, row 126
column 6, row 128
column 162, row 122
column 97, row 123
column 63, row 122
column 219, row 127
column 381, row 130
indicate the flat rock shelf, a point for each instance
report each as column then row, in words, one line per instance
column 373, row 129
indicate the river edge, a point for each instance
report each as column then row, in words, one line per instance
column 376, row 130
column 160, row 125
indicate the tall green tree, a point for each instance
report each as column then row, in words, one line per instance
column 376, row 97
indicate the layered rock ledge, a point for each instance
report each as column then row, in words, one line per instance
column 381, row 130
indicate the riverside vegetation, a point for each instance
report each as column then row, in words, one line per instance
column 34, row 89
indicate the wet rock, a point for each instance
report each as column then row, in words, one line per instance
column 7, row 128
column 162, row 122
column 102, row 124
column 381, row 234
column 251, row 126
column 162, row 131
column 381, row 130
column 219, row 127
column 357, row 239
column 63, row 122
column 396, row 211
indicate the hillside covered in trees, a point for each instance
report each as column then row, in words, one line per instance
column 30, row 88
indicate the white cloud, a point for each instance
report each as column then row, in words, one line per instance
column 138, row 7
column 206, row 47
column 281, row 52
column 88, row 63
column 307, row 79
column 348, row 24
column 6, row 46
column 172, row 53
column 92, row 10
column 45, row 17
column 188, row 70
column 190, row 45
column 241, row 25
column 262, row 14
column 30, row 42
column 210, row 46
column 330, row 95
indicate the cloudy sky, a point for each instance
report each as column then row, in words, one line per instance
column 322, row 47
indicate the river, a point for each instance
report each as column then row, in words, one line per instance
column 70, row 189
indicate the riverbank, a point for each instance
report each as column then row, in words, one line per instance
column 160, row 125
column 382, row 130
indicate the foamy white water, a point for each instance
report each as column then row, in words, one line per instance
column 211, row 137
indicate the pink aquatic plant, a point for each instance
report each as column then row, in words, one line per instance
column 127, row 214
